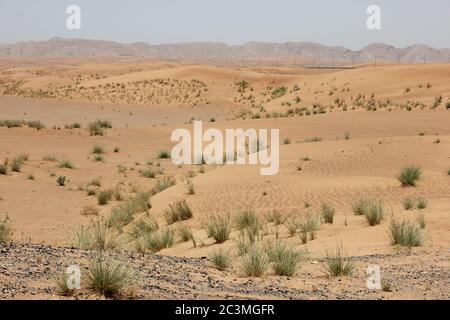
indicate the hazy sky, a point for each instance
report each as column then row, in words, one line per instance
column 330, row 22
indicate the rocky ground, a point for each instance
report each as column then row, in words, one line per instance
column 26, row 269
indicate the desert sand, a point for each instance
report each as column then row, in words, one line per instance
column 357, row 128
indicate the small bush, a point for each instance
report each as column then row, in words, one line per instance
column 185, row 232
column 245, row 219
column 219, row 227
column 190, row 187
column 99, row 158
column 409, row 176
column 148, row 173
column 95, row 182
column 124, row 213
column 327, row 213
column 107, row 277
column 89, row 211
column 65, row 164
column 60, row 280
column 163, row 154
column 97, row 149
column 408, row 203
column 6, row 231
column 163, row 184
column 337, row 264
column 284, row 257
column 421, row 203
column 220, row 259
column 156, row 241
column 49, row 157
column 104, row 196
column 3, row 169
column 360, row 206
column 287, row 141
column 405, row 234
column 421, row 220
column 375, row 212
column 178, row 211
column 275, row 217
column 144, row 227
column 255, row 262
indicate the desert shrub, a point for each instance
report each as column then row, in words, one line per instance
column 313, row 139
column 60, row 280
column 156, row 241
column 164, row 154
column 74, row 125
column 421, row 203
column 106, row 277
column 284, row 257
column 292, row 224
column 17, row 162
column 308, row 224
column 116, row 149
column 65, row 164
column 185, row 232
column 255, row 262
column 375, row 212
column 101, row 237
column 338, row 264
column 91, row 191
column 99, row 158
column 421, row 220
column 405, row 234
column 243, row 245
column 124, row 213
column 221, row 259
column 95, row 182
column 190, row 187
column 163, row 184
column 148, row 173
column 219, row 227
column 360, row 206
column 95, row 129
column 409, row 176
column 178, row 211
column 6, row 231
column 89, row 211
column 306, row 158
column 245, row 219
column 3, row 169
column 275, row 217
column 104, row 196
column 50, row 157
column 143, row 227
column 36, row 124
column 98, row 149
column 286, row 141
column 327, row 213
column 408, row 203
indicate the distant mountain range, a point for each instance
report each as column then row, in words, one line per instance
column 305, row 52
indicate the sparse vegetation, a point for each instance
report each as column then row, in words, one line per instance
column 405, row 234
column 408, row 203
column 375, row 212
column 327, row 213
column 107, row 277
column 66, row 164
column 409, row 176
column 219, row 227
column 89, row 211
column 337, row 263
column 6, row 231
column 255, row 262
column 178, row 211
column 60, row 280
column 221, row 259
column 156, row 241
column 104, row 196
column 98, row 149
column 190, row 187
column 284, row 258
column 163, row 184
column 164, row 154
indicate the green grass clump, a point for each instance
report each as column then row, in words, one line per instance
column 107, row 277
column 284, row 257
column 163, row 184
column 49, row 157
column 275, row 217
column 409, row 176
column 421, row 203
column 245, row 219
column 185, row 232
column 95, row 236
column 6, row 231
column 406, row 234
column 156, row 241
column 104, row 196
column 178, row 211
column 375, row 212
column 164, row 154
column 3, row 169
column 327, row 213
column 408, row 203
column 143, row 227
column 124, row 213
column 65, row 164
column 221, row 259
column 337, row 263
column 255, row 262
column 98, row 149
column 148, row 173
column 219, row 227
